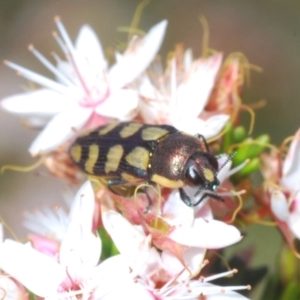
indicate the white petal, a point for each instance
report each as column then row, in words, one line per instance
column 80, row 244
column 36, row 122
column 10, row 290
column 154, row 110
column 180, row 214
column 214, row 125
column 194, row 91
column 171, row 263
column 153, row 106
column 137, row 57
column 148, row 264
column 60, row 129
column 128, row 290
column 147, row 89
column 210, row 234
column 39, row 273
column 89, row 58
column 193, row 258
column 108, row 277
column 126, row 237
column 225, row 165
column 118, row 56
column 188, row 58
column 208, row 128
column 89, row 47
column 120, row 284
column 279, row 205
column 130, row 242
column 122, row 105
column 42, row 103
column 204, row 212
column 47, row 222
column 82, row 209
column 291, row 165
column 106, row 271
column 294, row 224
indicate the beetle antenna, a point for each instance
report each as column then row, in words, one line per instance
column 230, row 156
column 199, row 191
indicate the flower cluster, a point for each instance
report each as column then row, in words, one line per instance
column 281, row 192
column 68, row 268
column 109, row 246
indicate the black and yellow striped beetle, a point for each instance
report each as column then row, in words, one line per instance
column 129, row 153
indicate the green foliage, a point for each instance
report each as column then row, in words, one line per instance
column 246, row 148
column 283, row 284
column 291, row 291
column 272, row 288
column 109, row 249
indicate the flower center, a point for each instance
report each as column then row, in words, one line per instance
column 160, row 225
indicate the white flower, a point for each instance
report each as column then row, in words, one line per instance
column 291, row 166
column 178, row 96
column 285, row 203
column 87, row 91
column 281, row 191
column 196, row 227
column 47, row 222
column 75, row 271
column 162, row 275
column 11, row 290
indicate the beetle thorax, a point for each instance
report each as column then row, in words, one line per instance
column 171, row 155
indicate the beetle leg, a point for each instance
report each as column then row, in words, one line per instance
column 149, row 201
column 203, row 140
column 144, row 190
column 116, row 181
column 205, row 195
column 184, row 197
column 121, row 181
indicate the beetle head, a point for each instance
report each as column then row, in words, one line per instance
column 201, row 171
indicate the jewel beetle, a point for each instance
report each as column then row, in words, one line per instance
column 130, row 153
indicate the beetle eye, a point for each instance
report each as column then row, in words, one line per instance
column 192, row 177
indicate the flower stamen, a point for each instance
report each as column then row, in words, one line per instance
column 37, row 78
column 49, row 66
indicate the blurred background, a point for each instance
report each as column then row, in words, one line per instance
column 267, row 32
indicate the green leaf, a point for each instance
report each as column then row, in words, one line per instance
column 31, row 296
column 290, row 265
column 108, row 247
column 291, row 291
column 227, row 138
column 114, row 250
column 239, row 134
column 250, row 167
column 250, row 149
column 272, row 288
